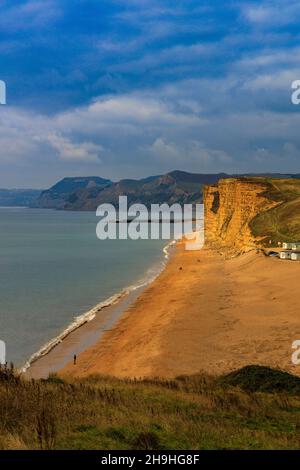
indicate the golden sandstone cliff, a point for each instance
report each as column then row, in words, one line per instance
column 229, row 207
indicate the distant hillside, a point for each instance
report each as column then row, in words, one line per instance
column 173, row 187
column 18, row 197
column 86, row 193
column 68, row 190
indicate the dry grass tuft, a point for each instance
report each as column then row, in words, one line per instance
column 197, row 412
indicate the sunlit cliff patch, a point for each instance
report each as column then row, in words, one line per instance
column 244, row 213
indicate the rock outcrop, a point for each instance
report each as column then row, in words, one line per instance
column 230, row 206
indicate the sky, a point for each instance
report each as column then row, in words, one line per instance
column 132, row 88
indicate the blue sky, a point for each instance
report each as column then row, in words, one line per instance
column 131, row 88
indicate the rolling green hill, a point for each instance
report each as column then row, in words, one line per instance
column 282, row 222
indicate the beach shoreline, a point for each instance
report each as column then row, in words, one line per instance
column 203, row 313
column 88, row 327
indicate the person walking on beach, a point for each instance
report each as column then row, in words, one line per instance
column 74, row 359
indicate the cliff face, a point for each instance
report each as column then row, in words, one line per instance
column 230, row 205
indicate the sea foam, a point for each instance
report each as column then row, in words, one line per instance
column 88, row 316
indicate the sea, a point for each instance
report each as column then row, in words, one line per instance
column 54, row 270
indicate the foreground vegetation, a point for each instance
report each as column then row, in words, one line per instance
column 254, row 408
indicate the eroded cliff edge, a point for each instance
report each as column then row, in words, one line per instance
column 229, row 207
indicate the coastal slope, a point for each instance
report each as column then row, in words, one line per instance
column 208, row 311
column 245, row 213
column 230, row 206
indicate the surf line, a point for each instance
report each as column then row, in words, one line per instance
column 88, row 316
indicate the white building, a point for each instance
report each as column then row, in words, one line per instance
column 295, row 256
column 295, row 246
column 287, row 246
column 285, row 255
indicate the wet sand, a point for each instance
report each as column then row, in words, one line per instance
column 90, row 332
column 203, row 313
column 80, row 339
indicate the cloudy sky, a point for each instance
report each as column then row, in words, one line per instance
column 129, row 88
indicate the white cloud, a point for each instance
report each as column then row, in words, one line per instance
column 192, row 151
column 70, row 151
column 277, row 81
column 29, row 14
column 258, row 14
column 180, row 55
column 140, row 133
column 271, row 13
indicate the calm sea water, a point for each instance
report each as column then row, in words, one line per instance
column 53, row 268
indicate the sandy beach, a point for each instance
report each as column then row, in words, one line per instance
column 89, row 328
column 80, row 338
column 203, row 313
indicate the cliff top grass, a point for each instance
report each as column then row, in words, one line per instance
column 253, row 408
column 282, row 222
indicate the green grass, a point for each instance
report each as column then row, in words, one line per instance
column 281, row 223
column 254, row 408
column 262, row 379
